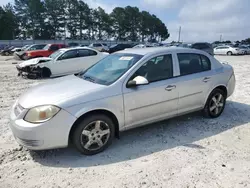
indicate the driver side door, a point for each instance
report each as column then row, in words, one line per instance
column 155, row 101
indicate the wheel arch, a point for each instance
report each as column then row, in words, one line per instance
column 221, row 87
column 108, row 113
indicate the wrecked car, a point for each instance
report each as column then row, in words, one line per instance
column 23, row 53
column 62, row 62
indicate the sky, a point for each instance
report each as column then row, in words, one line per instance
column 200, row 20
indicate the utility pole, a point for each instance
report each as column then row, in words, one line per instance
column 220, row 38
column 179, row 38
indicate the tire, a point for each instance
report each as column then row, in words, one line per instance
column 46, row 73
column 245, row 52
column 90, row 142
column 229, row 53
column 210, row 109
column 6, row 53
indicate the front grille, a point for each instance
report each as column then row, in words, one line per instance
column 31, row 143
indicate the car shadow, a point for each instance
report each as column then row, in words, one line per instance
column 182, row 131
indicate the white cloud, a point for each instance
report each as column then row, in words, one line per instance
column 98, row 3
column 206, row 20
column 161, row 4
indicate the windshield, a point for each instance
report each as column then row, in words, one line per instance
column 109, row 69
column 46, row 47
column 56, row 54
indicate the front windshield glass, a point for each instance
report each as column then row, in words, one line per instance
column 56, row 54
column 46, row 47
column 109, row 69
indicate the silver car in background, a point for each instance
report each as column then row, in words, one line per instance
column 127, row 89
column 228, row 50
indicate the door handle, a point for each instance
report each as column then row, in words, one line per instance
column 170, row 87
column 206, row 79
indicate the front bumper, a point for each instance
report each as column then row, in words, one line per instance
column 48, row 135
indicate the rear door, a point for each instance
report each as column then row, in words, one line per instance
column 194, row 81
column 85, row 59
column 65, row 64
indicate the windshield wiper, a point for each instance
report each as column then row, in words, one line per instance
column 89, row 79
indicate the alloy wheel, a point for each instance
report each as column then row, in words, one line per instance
column 95, row 135
column 216, row 104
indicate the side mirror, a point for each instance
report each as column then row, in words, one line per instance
column 138, row 80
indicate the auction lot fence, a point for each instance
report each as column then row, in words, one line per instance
column 20, row 43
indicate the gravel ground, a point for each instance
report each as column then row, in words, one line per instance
column 189, row 151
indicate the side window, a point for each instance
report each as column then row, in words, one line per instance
column 69, row 55
column 83, row 53
column 156, row 69
column 193, row 63
column 205, row 62
column 91, row 52
column 54, row 47
column 97, row 45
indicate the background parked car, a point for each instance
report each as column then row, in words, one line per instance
column 7, row 51
column 245, row 49
column 62, row 62
column 21, row 54
column 204, row 46
column 118, row 47
column 45, row 52
column 228, row 50
column 100, row 47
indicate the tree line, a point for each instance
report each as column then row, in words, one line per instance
column 74, row 19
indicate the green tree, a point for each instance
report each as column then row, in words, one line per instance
column 118, row 18
column 55, row 18
column 102, row 24
column 31, row 14
column 132, row 23
column 9, row 20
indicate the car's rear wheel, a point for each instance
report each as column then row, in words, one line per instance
column 229, row 53
column 93, row 134
column 215, row 104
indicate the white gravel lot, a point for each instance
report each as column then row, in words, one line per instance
column 189, row 151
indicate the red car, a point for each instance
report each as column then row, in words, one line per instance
column 45, row 52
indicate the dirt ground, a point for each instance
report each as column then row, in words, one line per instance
column 188, row 152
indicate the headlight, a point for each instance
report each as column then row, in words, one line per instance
column 41, row 114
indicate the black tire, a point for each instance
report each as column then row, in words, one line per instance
column 229, row 53
column 78, row 138
column 46, row 73
column 207, row 109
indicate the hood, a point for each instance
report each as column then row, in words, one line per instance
column 34, row 61
column 57, row 91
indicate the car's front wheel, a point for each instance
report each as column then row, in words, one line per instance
column 93, row 134
column 215, row 104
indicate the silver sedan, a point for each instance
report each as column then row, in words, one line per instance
column 127, row 89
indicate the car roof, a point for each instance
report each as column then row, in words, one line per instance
column 152, row 50
column 77, row 48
